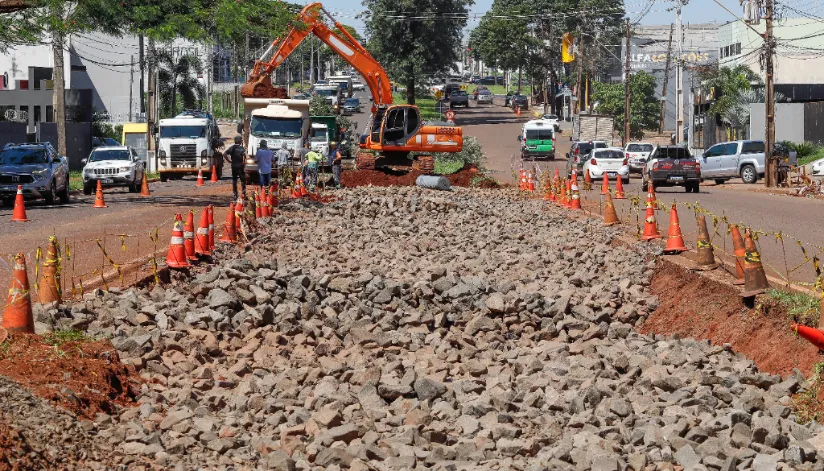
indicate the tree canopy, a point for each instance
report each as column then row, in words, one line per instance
column 643, row 107
column 415, row 39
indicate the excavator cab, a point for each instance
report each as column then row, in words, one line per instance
column 399, row 125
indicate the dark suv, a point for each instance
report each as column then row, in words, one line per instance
column 579, row 151
column 521, row 101
column 37, row 168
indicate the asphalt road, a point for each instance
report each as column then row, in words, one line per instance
column 497, row 129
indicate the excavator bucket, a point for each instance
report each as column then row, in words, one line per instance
column 261, row 87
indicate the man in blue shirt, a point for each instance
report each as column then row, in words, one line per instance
column 263, row 158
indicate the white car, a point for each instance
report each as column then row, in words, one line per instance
column 610, row 160
column 818, row 167
column 637, row 154
column 358, row 86
column 113, row 166
column 553, row 119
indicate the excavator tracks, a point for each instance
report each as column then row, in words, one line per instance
column 426, row 164
column 365, row 161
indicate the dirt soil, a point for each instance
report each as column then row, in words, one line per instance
column 697, row 307
column 16, row 453
column 83, row 377
column 355, row 178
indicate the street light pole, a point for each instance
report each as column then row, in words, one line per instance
column 626, row 89
column 771, row 174
column 679, row 78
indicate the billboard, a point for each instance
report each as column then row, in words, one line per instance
column 654, row 57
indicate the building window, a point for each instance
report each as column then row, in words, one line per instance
column 49, row 114
column 37, row 116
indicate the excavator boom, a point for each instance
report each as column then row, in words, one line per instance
column 259, row 84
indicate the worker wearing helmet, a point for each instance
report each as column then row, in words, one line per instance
column 337, row 162
column 313, row 161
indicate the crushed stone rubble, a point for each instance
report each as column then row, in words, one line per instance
column 401, row 329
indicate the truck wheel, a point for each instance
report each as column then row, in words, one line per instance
column 696, row 188
column 64, row 195
column 88, row 188
column 50, row 195
column 719, row 181
column 644, row 185
column 164, row 178
column 134, row 187
column 748, row 174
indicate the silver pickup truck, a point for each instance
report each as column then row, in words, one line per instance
column 37, row 168
column 728, row 160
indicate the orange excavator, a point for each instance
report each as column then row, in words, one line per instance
column 395, row 131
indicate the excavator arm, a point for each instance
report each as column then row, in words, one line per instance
column 259, row 84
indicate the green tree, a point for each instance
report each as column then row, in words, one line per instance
column 178, row 76
column 643, row 106
column 413, row 49
column 727, row 83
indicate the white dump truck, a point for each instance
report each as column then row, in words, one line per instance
column 333, row 94
column 187, row 143
column 275, row 121
column 345, row 82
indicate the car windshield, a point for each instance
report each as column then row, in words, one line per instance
column 550, row 116
column 672, row 153
column 609, row 154
column 262, row 126
column 352, row 102
column 327, row 92
column 318, row 135
column 539, row 134
column 639, row 148
column 23, row 156
column 459, row 93
column 190, row 132
column 110, row 154
column 484, row 92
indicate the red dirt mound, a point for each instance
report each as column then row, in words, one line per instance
column 355, row 178
column 83, row 377
column 698, row 307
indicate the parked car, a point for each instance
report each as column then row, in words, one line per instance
column 499, row 80
column 351, row 106
column 818, row 167
column 728, row 160
column 537, row 140
column 610, row 161
column 672, row 166
column 488, row 80
column 637, row 153
column 458, row 98
column 553, row 119
column 358, row 86
column 521, row 101
column 113, row 166
column 302, row 96
column 450, row 88
column 484, row 97
column 579, row 151
column 103, row 142
column 38, row 168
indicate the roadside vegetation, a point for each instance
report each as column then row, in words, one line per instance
column 471, row 154
column 806, row 404
column 802, row 308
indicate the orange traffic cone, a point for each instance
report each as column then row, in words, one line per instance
column 557, row 174
column 17, row 317
column 200, row 181
column 258, row 205
column 675, row 240
column 98, row 196
column 238, row 214
column 530, row 183
column 814, row 336
column 202, row 246
column 229, row 231
column 273, row 199
column 575, row 204
column 296, row 190
column 189, row 236
column 740, row 253
column 144, row 186
column 49, row 286
column 610, row 216
column 619, row 189
column 568, row 196
column 587, row 180
column 651, row 196
column 211, row 227
column 19, row 214
column 176, row 257
column 706, row 256
column 213, row 177
column 605, row 185
column 755, row 280
column 650, row 225
column 821, row 315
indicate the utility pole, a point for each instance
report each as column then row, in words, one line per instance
column 131, row 88
column 151, row 115
column 580, row 59
column 679, row 78
column 142, row 73
column 626, row 90
column 666, row 80
column 209, row 69
column 59, row 90
column 771, row 174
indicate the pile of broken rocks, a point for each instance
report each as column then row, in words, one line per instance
column 402, row 329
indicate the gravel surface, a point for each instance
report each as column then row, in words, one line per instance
column 403, row 329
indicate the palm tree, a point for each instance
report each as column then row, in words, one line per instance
column 737, row 115
column 178, row 76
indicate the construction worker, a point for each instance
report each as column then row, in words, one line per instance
column 283, row 158
column 236, row 156
column 302, row 154
column 337, row 162
column 313, row 160
column 263, row 158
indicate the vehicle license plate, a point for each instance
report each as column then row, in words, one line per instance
column 612, row 174
column 107, row 181
column 9, row 188
column 676, row 178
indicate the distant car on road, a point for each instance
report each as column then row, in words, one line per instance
column 520, row 101
column 610, row 161
column 38, row 168
column 637, row 153
column 302, row 96
column 358, row 86
column 113, row 166
column 537, row 140
column 103, row 142
column 484, row 97
column 553, row 120
column 351, row 106
column 579, row 151
column 727, row 160
column 488, row 80
column 672, row 166
column 458, row 98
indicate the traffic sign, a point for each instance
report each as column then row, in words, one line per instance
column 450, row 115
column 439, row 94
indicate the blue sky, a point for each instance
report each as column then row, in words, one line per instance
column 697, row 11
